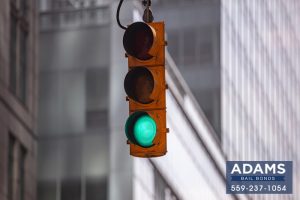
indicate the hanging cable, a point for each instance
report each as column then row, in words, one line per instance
column 118, row 15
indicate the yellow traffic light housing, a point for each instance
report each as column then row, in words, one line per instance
column 145, row 87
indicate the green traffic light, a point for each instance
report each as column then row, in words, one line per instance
column 140, row 129
column 144, row 130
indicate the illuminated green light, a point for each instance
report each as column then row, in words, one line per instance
column 144, row 130
column 140, row 129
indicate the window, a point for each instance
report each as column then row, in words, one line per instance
column 205, row 52
column 13, row 38
column 174, row 49
column 189, row 47
column 11, row 144
column 21, row 182
column 71, row 189
column 47, row 190
column 96, row 188
column 18, row 48
column 23, row 65
column 96, row 99
column 16, row 150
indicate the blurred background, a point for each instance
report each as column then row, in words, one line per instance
column 234, row 80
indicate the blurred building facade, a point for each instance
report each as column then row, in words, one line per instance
column 73, row 110
column 83, row 153
column 18, row 99
column 194, row 35
column 261, row 82
column 82, row 109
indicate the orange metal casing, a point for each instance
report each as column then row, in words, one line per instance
column 156, row 109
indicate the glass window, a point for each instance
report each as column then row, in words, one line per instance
column 205, row 52
column 22, row 158
column 46, row 190
column 71, row 189
column 23, row 7
column 96, row 119
column 189, row 47
column 97, row 91
column 11, row 145
column 23, row 65
column 13, row 55
column 97, row 99
column 18, row 48
column 173, row 39
column 96, row 189
column 16, row 163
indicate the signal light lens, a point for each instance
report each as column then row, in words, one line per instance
column 140, row 129
column 139, row 85
column 138, row 40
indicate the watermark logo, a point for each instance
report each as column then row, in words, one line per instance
column 259, row 177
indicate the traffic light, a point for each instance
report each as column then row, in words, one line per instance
column 145, row 87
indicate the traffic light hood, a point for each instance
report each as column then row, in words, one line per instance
column 140, row 41
column 139, row 85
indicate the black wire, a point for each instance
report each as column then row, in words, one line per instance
column 118, row 14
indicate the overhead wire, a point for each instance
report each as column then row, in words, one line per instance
column 118, row 15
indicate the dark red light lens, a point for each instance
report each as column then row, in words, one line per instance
column 139, row 85
column 138, row 40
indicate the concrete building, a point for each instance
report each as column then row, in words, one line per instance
column 260, row 83
column 18, row 99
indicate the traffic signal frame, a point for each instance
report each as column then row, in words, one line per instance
column 145, row 87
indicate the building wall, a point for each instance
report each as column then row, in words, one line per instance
column 261, row 81
column 73, row 161
column 18, row 104
column 194, row 44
